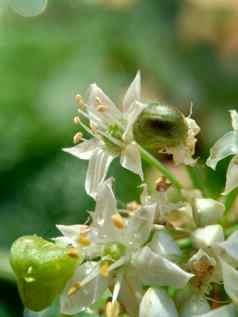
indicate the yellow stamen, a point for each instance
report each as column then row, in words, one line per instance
column 132, row 206
column 102, row 108
column 104, row 269
column 84, row 240
column 77, row 120
column 93, row 127
column 74, row 289
column 162, row 184
column 78, row 138
column 79, row 100
column 112, row 309
column 73, row 253
column 98, row 100
column 118, row 221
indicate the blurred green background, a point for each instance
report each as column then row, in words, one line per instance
column 187, row 52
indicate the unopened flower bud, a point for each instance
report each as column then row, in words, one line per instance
column 159, row 127
column 207, row 211
column 42, row 270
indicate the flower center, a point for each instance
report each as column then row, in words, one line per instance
column 114, row 250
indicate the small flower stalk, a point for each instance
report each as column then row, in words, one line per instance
column 173, row 253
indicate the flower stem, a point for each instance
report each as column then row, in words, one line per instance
column 162, row 168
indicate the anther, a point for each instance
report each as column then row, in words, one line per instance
column 93, row 127
column 74, row 289
column 118, row 221
column 104, row 269
column 162, row 184
column 112, row 309
column 79, row 100
column 84, row 240
column 132, row 206
column 73, row 253
column 78, row 138
column 77, row 120
column 102, row 108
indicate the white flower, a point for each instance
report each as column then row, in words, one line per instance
column 224, row 147
column 123, row 262
column 112, row 131
column 157, row 303
column 211, row 240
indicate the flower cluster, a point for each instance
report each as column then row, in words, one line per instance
column 167, row 255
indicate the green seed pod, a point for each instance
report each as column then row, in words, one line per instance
column 42, row 270
column 159, row 127
column 114, row 250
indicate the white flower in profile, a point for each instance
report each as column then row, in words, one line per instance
column 116, row 256
column 112, row 131
column 224, row 147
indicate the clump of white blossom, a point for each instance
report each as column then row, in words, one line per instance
column 171, row 254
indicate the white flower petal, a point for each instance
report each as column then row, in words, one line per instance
column 224, row 311
column 163, row 244
column 195, row 305
column 231, row 245
column 154, row 269
column 207, row 211
column 84, row 150
column 230, row 279
column 106, row 204
column 139, row 226
column 131, row 292
column 71, row 231
column 97, row 170
column 96, row 97
column 133, row 93
column 224, row 147
column 234, row 119
column 131, row 159
column 88, row 293
column 232, row 175
column 157, row 303
column 130, row 117
column 208, row 236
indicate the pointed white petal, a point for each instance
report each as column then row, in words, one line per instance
column 106, row 204
column 208, row 211
column 162, row 243
column 234, row 119
column 130, row 117
column 95, row 97
column 230, row 279
column 131, row 292
column 195, row 305
column 97, row 170
column 232, row 175
column 84, row 150
column 208, row 236
column 224, row 311
column 154, row 269
column 131, row 159
column 139, row 226
column 224, row 147
column 71, row 231
column 231, row 245
column 88, row 293
column 157, row 303
column 133, row 93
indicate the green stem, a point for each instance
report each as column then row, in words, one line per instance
column 163, row 169
column 230, row 199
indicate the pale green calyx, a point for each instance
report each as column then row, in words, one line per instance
column 42, row 270
column 159, row 127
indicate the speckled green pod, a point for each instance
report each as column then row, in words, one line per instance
column 159, row 127
column 42, row 270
